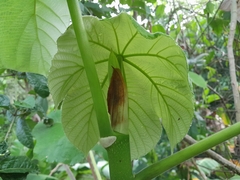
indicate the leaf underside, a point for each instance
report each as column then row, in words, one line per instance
column 156, row 77
column 29, row 31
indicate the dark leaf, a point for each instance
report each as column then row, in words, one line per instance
column 4, row 153
column 13, row 176
column 39, row 82
column 4, row 101
column 24, row 133
column 41, row 105
column 17, row 164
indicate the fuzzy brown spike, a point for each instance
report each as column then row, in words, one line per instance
column 118, row 102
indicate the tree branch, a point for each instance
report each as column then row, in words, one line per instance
column 231, row 59
column 216, row 156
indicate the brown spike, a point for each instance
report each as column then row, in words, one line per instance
column 118, row 102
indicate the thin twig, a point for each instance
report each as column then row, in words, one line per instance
column 93, row 166
column 55, row 169
column 10, row 128
column 202, row 33
column 216, row 156
column 200, row 172
column 69, row 172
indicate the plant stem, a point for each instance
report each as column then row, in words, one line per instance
column 10, row 128
column 69, row 172
column 158, row 168
column 95, row 88
column 120, row 159
column 93, row 166
column 226, row 163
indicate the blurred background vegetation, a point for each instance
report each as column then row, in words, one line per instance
column 200, row 28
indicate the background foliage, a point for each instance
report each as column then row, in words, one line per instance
column 200, row 28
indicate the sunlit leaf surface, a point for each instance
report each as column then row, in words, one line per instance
column 28, row 33
column 156, row 76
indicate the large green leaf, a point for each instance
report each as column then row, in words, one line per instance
column 28, row 33
column 156, row 75
column 53, row 145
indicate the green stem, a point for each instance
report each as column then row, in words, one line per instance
column 120, row 159
column 95, row 88
column 158, row 168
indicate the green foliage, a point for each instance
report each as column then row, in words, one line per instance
column 4, row 101
column 23, row 133
column 67, row 77
column 153, row 66
column 198, row 80
column 39, row 83
column 31, row 28
column 16, row 167
column 53, row 145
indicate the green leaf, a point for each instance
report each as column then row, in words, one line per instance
column 209, row 8
column 160, row 11
column 23, row 133
column 4, row 152
column 235, row 177
column 55, row 115
column 156, row 76
column 54, row 145
column 41, row 105
column 29, row 33
column 39, row 82
column 29, row 102
column 198, row 80
column 17, row 164
column 4, row 101
column 207, row 165
column 212, row 98
column 158, row 28
column 40, row 177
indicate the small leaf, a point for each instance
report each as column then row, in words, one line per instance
column 209, row 7
column 160, row 11
column 212, row 98
column 207, row 165
column 41, row 106
column 4, row 101
column 226, row 120
column 158, row 28
column 39, row 82
column 29, row 102
column 197, row 79
column 17, row 164
column 24, row 133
